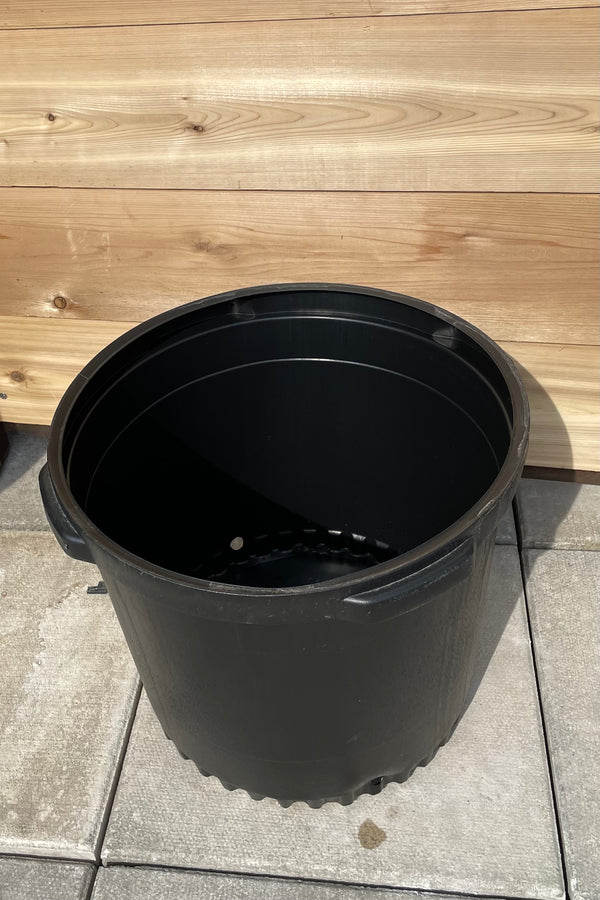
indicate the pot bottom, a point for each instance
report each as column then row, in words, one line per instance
column 373, row 786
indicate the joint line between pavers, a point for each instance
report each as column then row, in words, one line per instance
column 108, row 807
column 559, row 833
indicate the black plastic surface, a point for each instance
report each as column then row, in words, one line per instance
column 292, row 495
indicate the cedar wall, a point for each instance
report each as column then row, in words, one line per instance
column 156, row 152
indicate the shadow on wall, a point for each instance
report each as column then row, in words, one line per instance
column 497, row 614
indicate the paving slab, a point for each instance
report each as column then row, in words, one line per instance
column 479, row 819
column 559, row 515
column 142, row 883
column 44, row 879
column 507, row 531
column 20, row 502
column 562, row 592
column 67, row 690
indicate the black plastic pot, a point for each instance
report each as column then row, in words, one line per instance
column 292, row 493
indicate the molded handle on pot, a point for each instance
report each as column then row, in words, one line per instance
column 67, row 535
column 413, row 590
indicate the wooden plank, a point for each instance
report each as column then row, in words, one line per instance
column 29, row 13
column 563, row 384
column 575, row 476
column 521, row 267
column 468, row 102
column 39, row 357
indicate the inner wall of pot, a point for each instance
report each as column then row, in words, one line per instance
column 289, row 450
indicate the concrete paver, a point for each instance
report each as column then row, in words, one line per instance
column 20, row 502
column 562, row 593
column 559, row 515
column 67, row 688
column 43, row 879
column 141, row 883
column 478, row 819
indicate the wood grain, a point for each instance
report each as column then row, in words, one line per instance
column 521, row 267
column 39, row 358
column 468, row 102
column 29, row 13
column 563, row 385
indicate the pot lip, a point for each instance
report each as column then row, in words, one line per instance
column 434, row 547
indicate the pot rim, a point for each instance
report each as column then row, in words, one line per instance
column 436, row 546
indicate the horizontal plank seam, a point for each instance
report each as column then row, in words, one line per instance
column 123, row 323
column 504, row 343
column 83, row 187
column 555, row 473
column 467, row 12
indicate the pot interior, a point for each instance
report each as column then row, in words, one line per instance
column 287, row 440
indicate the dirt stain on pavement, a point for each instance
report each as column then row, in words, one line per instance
column 371, row 835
